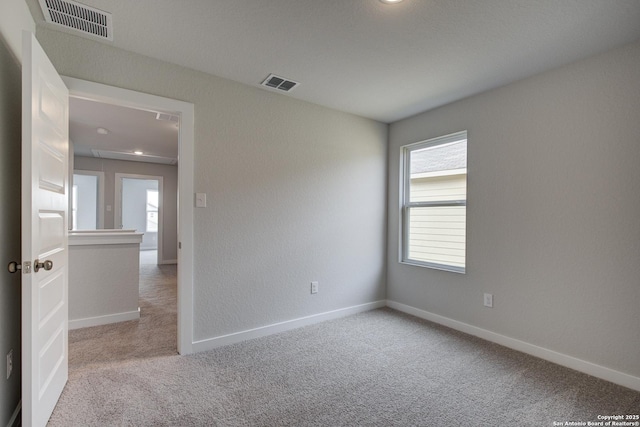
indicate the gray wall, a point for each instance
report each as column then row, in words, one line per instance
column 296, row 192
column 553, row 211
column 10, row 137
column 170, row 193
column 10, row 153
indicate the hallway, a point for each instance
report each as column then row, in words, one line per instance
column 154, row 334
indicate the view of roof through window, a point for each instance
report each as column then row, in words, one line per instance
column 439, row 158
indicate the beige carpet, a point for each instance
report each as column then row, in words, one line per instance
column 380, row 368
column 153, row 335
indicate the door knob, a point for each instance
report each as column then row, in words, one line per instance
column 47, row 265
column 13, row 267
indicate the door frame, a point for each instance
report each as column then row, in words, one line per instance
column 117, row 206
column 117, row 96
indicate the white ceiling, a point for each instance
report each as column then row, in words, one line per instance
column 381, row 61
column 128, row 130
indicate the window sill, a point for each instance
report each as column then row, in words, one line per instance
column 451, row 269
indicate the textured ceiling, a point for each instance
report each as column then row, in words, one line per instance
column 380, row 61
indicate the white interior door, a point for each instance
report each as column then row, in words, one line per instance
column 45, row 186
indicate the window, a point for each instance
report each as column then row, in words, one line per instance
column 152, row 211
column 74, row 208
column 87, row 200
column 434, row 203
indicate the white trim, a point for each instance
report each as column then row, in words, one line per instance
column 186, row 166
column 437, row 174
column 128, row 98
column 15, row 414
column 263, row 331
column 169, row 262
column 405, row 203
column 105, row 238
column 402, row 183
column 104, row 320
column 571, row 362
column 438, row 141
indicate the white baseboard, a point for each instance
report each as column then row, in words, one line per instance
column 580, row 365
column 169, row 261
column 211, row 343
column 14, row 416
column 104, row 320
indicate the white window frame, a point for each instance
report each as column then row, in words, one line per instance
column 406, row 204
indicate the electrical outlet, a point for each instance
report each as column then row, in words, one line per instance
column 488, row 300
column 9, row 363
column 314, row 287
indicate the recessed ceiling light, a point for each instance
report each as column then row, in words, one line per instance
column 390, row 1
column 102, row 131
column 138, row 152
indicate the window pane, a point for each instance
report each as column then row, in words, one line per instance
column 152, row 221
column 152, row 200
column 85, row 202
column 437, row 234
column 438, row 173
column 438, row 189
column 152, row 211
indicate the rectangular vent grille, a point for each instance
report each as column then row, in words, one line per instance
column 79, row 17
column 280, row 83
column 166, row 117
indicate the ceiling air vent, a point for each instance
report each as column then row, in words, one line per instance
column 280, row 83
column 166, row 117
column 79, row 17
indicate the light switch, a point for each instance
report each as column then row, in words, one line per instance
column 201, row 200
column 108, row 208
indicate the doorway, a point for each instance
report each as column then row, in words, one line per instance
column 139, row 206
column 185, row 112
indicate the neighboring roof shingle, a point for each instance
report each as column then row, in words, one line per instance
column 439, row 158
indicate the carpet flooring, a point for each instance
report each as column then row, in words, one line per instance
column 379, row 368
column 154, row 334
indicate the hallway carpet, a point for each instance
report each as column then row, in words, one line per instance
column 153, row 335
